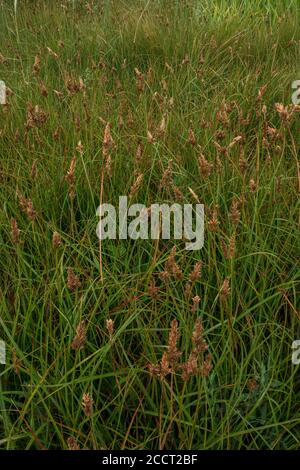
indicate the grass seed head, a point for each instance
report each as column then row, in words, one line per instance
column 72, row 444
column 196, row 302
column 190, row 368
column 252, row 186
column 191, row 138
column 207, row 366
column 205, row 166
column 136, row 185
column 37, row 64
column 213, row 223
column 15, row 232
column 225, row 289
column 43, row 89
column 153, row 289
column 173, row 354
column 199, row 343
column 27, row 206
column 187, row 290
column 73, row 281
column 56, row 240
column 172, row 267
column 87, row 404
column 70, row 177
column 196, row 273
column 80, row 337
column 110, row 327
column 235, row 214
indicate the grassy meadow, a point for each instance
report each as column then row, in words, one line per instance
column 141, row 344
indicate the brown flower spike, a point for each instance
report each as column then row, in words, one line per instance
column 73, row 281
column 87, row 404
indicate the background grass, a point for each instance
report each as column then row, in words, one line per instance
column 216, row 52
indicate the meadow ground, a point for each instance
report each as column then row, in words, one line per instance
column 133, row 344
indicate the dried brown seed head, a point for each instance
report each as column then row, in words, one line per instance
column 153, row 289
column 213, row 223
column 80, row 337
column 225, row 289
column 252, row 385
column 261, row 93
column 191, row 137
column 190, row 368
column 171, row 267
column 196, row 273
column 187, row 290
column 252, row 186
column 70, row 177
column 197, row 338
column 150, row 137
column 43, row 89
column 136, row 185
column 72, row 444
column 196, row 302
column 37, row 64
column 205, row 166
column 110, row 327
column 234, row 214
column 173, row 354
column 27, row 206
column 87, row 404
column 207, row 366
column 15, row 232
